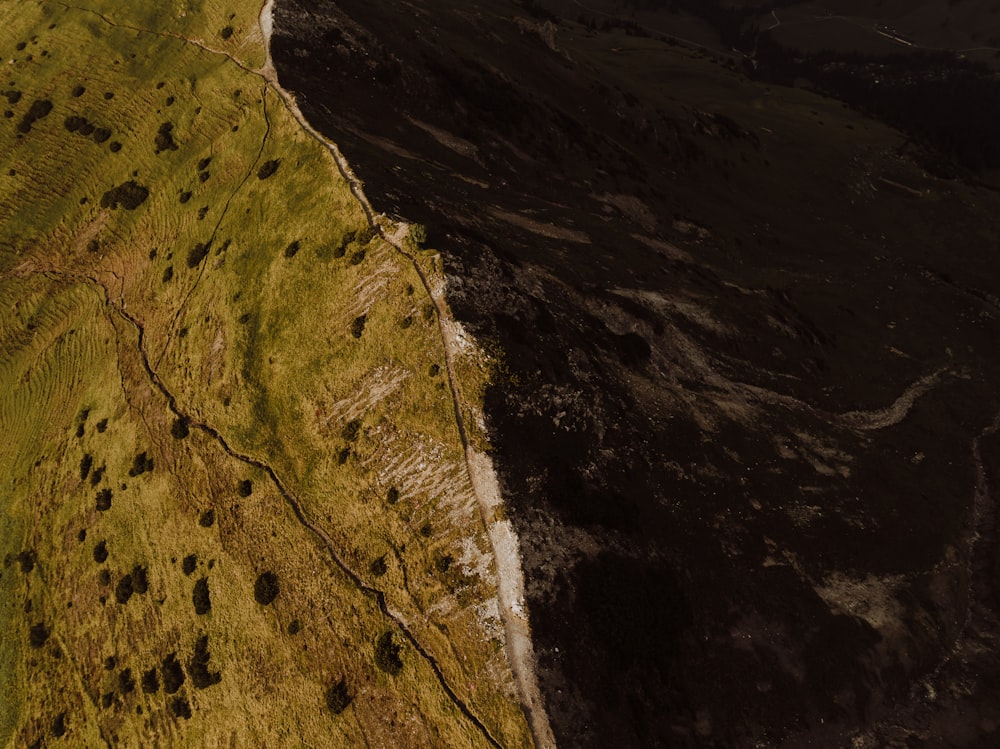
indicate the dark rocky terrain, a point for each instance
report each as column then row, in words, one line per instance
column 747, row 417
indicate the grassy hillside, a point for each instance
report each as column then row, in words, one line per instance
column 235, row 505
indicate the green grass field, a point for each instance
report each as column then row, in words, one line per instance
column 214, row 371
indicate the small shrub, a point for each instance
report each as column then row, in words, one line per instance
column 13, row 96
column 292, row 249
column 378, row 567
column 104, row 500
column 425, row 530
column 197, row 253
column 101, row 135
column 358, row 326
column 226, row 32
column 351, row 430
column 102, row 425
column 443, row 563
column 185, row 197
column 115, row 146
column 87, row 129
column 265, row 590
column 201, row 676
column 387, row 655
column 245, row 488
column 74, row 122
column 434, row 370
column 39, row 108
column 38, row 635
column 200, row 598
column 101, row 552
column 129, row 195
column 168, row 273
column 78, row 91
column 141, row 463
column 140, row 581
column 268, row 168
column 406, row 322
column 343, row 455
column 204, row 176
column 338, row 697
column 202, row 212
column 357, row 257
column 110, row 662
column 85, row 464
column 180, row 708
column 125, row 681
column 93, row 246
column 173, row 674
column 189, row 563
column 294, row 627
column 123, row 590
column 392, row 496
column 207, row 519
column 164, row 140
column 59, row 725
column 179, row 429
column 150, row 682
column 203, row 164
column 97, row 475
column 104, row 578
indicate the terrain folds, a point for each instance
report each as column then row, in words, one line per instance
column 236, row 504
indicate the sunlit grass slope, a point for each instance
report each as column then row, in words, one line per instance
column 212, row 369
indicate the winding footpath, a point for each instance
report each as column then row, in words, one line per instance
column 504, row 542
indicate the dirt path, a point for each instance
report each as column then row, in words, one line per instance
column 510, row 578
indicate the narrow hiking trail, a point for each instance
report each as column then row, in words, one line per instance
column 504, row 542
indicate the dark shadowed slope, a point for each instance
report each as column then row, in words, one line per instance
column 746, row 414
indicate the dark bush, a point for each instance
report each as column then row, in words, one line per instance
column 340, row 251
column 170, row 101
column 406, row 322
column 150, row 683
column 115, row 146
column 13, row 96
column 392, row 496
column 108, row 96
column 357, row 257
column 200, row 598
column 130, row 195
column 351, row 430
column 201, row 676
column 97, row 475
column 101, row 552
column 140, row 582
column 74, row 122
column 189, row 563
column 292, row 249
column 203, row 164
column 59, row 725
column 123, row 590
column 226, row 32
column 207, row 519
column 179, row 429
column 87, row 128
column 38, row 634
column 294, row 627
column 125, row 681
column 165, row 138
column 268, row 168
column 82, row 535
column 204, row 176
column 102, row 425
column 79, row 91
column 104, row 500
column 202, row 212
column 265, row 590
column 387, row 655
column 168, row 273
column 434, row 370
column 185, row 197
column 443, row 563
column 198, row 253
column 85, row 464
column 338, row 697
column 101, row 134
column 180, row 708
column 39, row 108
column 366, row 235
column 141, row 463
column 93, row 245
column 343, row 455
column 110, row 662
column 104, row 578
column 79, row 428
column 358, row 326
column 425, row 530
column 378, row 566
column 173, row 675
column 245, row 488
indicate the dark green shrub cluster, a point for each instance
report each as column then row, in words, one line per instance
column 13, row 96
column 185, row 197
column 226, row 32
column 392, row 496
column 265, row 590
column 245, row 488
column 102, row 425
column 38, row 634
column 292, row 249
column 97, row 475
column 129, row 195
column 173, row 674
column 168, row 273
column 125, row 681
column 59, row 725
column 165, row 138
column 201, row 676
column 26, row 560
column 203, row 164
column 39, row 108
column 104, row 500
column 78, row 91
column 85, row 463
column 207, row 519
column 294, row 627
column 358, row 326
column 357, row 257
column 443, row 562
column 387, row 655
column 338, row 697
column 378, row 566
column 200, row 597
column 268, row 168
column 101, row 552
column 150, row 682
column 180, row 708
column 179, row 429
column 141, row 463
column 198, row 253
column 189, row 563
column 351, row 430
